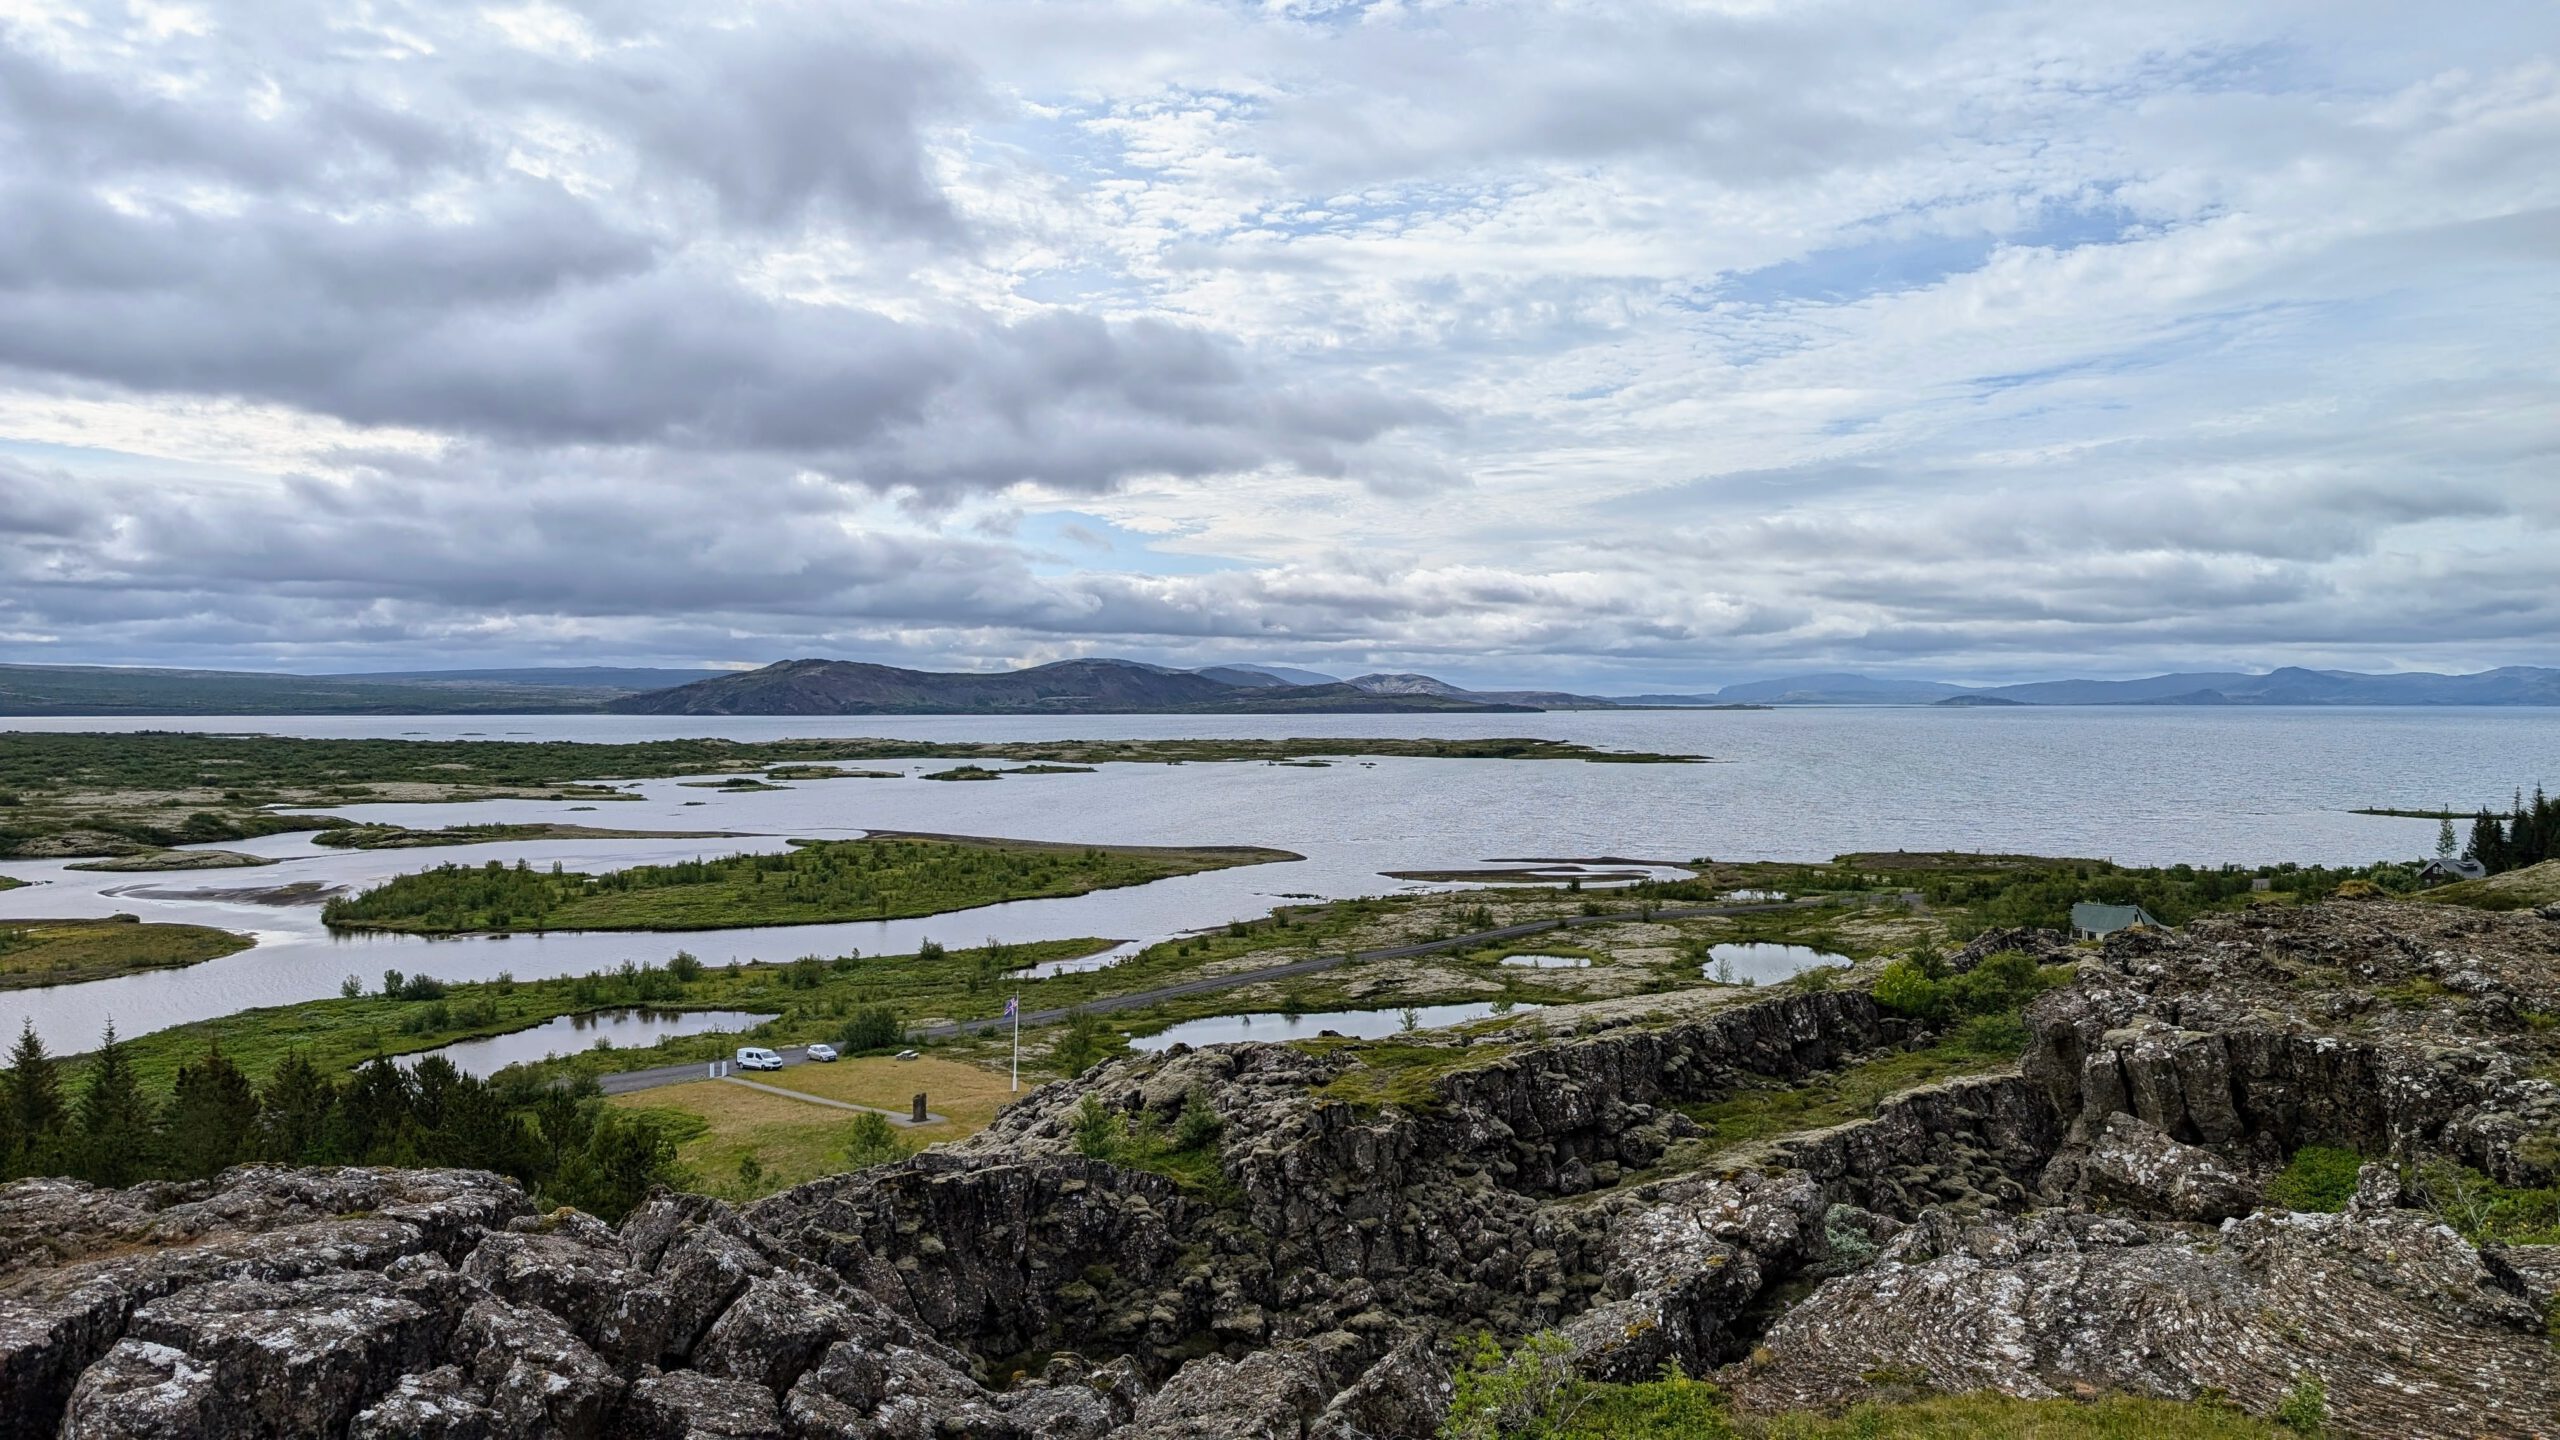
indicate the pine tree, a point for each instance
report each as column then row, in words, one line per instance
column 2445, row 843
column 294, row 1112
column 35, row 1101
column 117, row 1141
column 212, row 1117
column 2488, row 842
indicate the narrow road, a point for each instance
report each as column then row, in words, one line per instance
column 631, row 1080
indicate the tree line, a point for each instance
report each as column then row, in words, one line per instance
column 2528, row 834
column 562, row 1143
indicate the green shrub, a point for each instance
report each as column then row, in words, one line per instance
column 2305, row 1408
column 1199, row 1123
column 1906, row 989
column 872, row 1140
column 2319, row 1178
column 1097, row 1131
column 873, row 1028
column 1531, row 1391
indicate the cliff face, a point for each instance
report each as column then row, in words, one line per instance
column 2093, row 1221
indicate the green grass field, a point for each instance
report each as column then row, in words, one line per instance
column 869, row 879
column 64, row 952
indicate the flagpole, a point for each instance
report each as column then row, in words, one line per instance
column 1015, row 1005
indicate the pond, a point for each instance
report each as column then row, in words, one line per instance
column 569, row 1033
column 1082, row 964
column 1759, row 962
column 1363, row 1024
column 1548, row 962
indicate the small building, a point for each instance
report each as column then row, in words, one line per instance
column 2093, row 921
column 2446, row 872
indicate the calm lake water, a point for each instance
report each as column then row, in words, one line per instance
column 1761, row 963
column 2136, row 785
column 571, row 1033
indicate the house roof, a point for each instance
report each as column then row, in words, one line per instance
column 2106, row 919
column 2465, row 867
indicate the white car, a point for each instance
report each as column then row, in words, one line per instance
column 822, row 1053
column 756, row 1057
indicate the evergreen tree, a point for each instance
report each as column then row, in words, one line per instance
column 117, row 1138
column 373, row 1119
column 294, row 1112
column 2445, row 843
column 212, row 1117
column 2488, row 841
column 35, row 1103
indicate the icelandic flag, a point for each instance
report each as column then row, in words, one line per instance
column 1012, row 1006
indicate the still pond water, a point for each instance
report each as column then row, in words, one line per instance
column 571, row 1033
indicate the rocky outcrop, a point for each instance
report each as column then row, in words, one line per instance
column 383, row 1303
column 2091, row 1221
column 2401, row 1326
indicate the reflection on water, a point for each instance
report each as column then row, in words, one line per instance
column 569, row 1033
column 1362, row 1024
column 1547, row 962
column 1759, row 963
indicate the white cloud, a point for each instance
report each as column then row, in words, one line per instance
column 1652, row 344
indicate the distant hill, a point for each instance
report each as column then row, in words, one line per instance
column 2509, row 685
column 568, row 677
column 1410, row 684
column 1981, row 702
column 106, row 690
column 1285, row 674
column 1069, row 687
column 1837, row 690
column 1104, row 686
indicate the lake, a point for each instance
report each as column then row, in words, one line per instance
column 569, row 1034
column 2141, row 785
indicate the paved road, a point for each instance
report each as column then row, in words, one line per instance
column 631, row 1080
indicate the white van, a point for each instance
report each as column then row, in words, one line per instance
column 756, row 1057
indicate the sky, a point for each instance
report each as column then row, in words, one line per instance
column 1618, row 346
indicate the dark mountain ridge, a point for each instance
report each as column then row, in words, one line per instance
column 1068, row 687
column 2291, row 685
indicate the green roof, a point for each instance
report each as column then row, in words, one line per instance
column 2100, row 919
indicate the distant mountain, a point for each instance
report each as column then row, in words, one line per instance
column 1285, row 674
column 1241, row 675
column 1069, row 687
column 573, row 677
column 2152, row 690
column 1837, row 690
column 111, row 690
column 1410, row 684
column 2509, row 685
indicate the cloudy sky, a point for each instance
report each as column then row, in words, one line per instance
column 1615, row 344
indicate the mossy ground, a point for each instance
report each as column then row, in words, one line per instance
column 815, row 883
column 64, row 952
